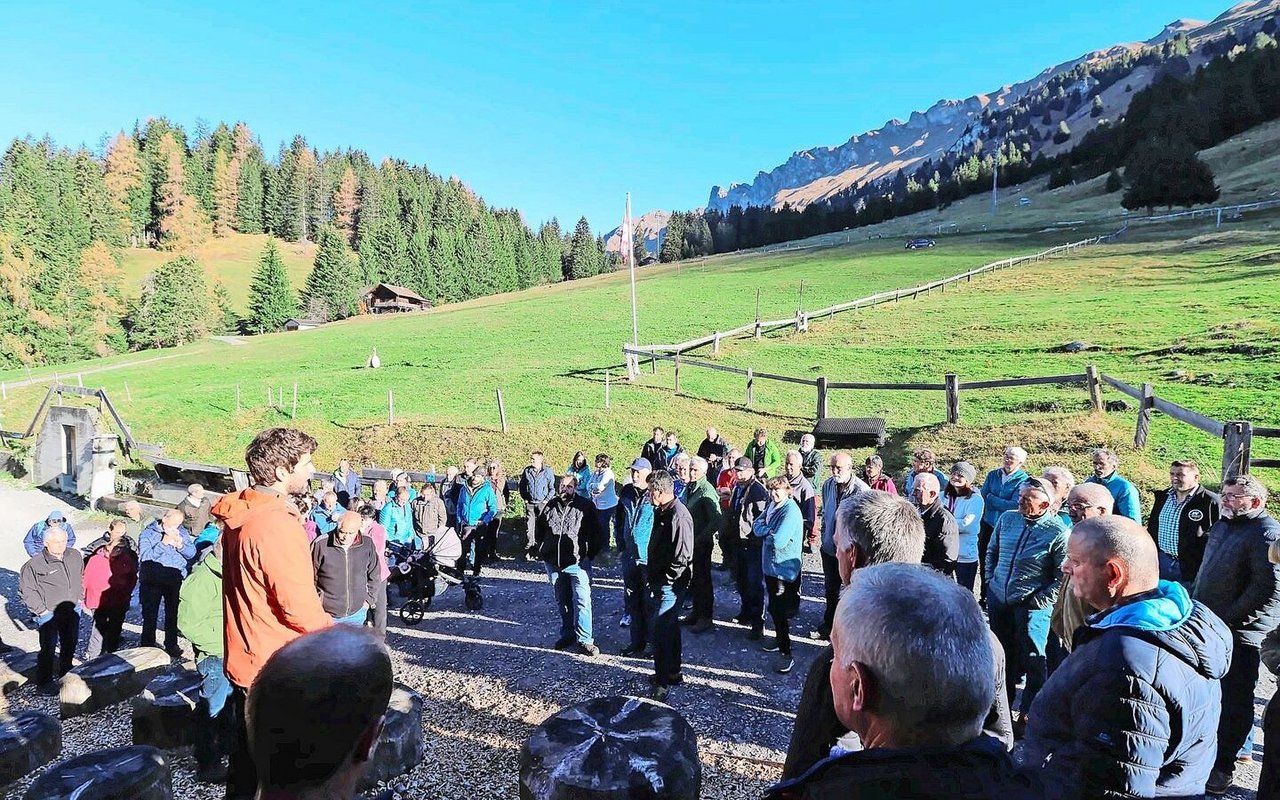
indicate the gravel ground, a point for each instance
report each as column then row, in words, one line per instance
column 490, row 677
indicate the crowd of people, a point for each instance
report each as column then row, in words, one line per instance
column 1137, row 647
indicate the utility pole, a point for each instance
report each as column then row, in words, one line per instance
column 995, row 172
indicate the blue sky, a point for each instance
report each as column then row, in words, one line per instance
column 554, row 108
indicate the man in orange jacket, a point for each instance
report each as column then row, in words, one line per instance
column 269, row 593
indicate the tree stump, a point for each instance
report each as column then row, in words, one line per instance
column 123, row 773
column 612, row 748
column 163, row 715
column 399, row 747
column 28, row 740
column 109, row 679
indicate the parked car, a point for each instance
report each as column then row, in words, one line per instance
column 920, row 244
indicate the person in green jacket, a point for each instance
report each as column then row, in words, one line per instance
column 703, row 502
column 200, row 619
column 765, row 456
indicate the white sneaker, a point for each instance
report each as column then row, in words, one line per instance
column 625, row 622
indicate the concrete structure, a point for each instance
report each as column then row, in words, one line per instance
column 74, row 453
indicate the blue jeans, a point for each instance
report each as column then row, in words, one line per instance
column 211, row 734
column 666, row 635
column 637, row 601
column 572, row 587
column 357, row 619
column 1024, row 634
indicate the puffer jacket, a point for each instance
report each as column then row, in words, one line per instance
column 782, row 529
column 1236, row 580
column 1133, row 712
column 1024, row 560
column 635, row 522
column 200, row 615
column 745, row 504
column 1125, row 494
column 477, row 506
column 999, row 495
column 398, row 521
column 566, row 532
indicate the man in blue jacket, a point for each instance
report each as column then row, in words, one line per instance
column 477, row 507
column 635, row 526
column 1133, row 711
column 165, row 550
column 33, row 542
column 537, row 487
column 1122, row 489
column 1000, row 491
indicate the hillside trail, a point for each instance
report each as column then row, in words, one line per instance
column 94, row 371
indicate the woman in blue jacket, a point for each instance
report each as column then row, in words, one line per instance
column 781, row 526
column 582, row 469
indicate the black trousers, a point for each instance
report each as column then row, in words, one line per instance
column 704, row 598
column 150, row 594
column 984, row 541
column 784, row 602
column 1269, row 782
column 242, row 773
column 104, row 636
column 831, row 584
column 60, row 632
column 1238, row 687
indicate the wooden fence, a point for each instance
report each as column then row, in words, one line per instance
column 1237, row 436
column 802, row 318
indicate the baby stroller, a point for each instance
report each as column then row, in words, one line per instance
column 423, row 574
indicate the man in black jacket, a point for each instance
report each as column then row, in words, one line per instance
column 51, row 586
column 873, row 527
column 566, row 538
column 941, row 533
column 713, row 448
column 670, row 571
column 741, row 549
column 649, row 452
column 900, row 628
column 1180, row 521
column 347, row 571
column 1239, row 584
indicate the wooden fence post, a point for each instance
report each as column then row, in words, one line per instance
column 750, row 384
column 953, row 399
column 715, row 344
column 128, row 394
column 237, row 398
column 293, row 414
column 1095, row 388
column 822, row 397
column 391, row 407
column 653, row 365
column 1237, row 442
column 677, row 372
column 269, row 397
column 606, row 388
column 757, row 329
column 502, row 411
column 1144, row 416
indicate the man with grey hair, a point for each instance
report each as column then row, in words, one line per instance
column 810, row 461
column 1062, row 481
column 679, row 469
column 1085, row 501
column 900, row 628
column 872, row 527
column 1133, row 711
column 842, row 485
column 1239, row 584
column 802, row 493
column 941, row 533
column 703, row 503
column 51, row 585
column 1122, row 489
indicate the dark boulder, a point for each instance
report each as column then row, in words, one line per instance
column 164, row 713
column 124, row 773
column 110, row 678
column 17, row 670
column 1117, row 405
column 28, row 739
column 1077, row 347
column 400, row 745
column 612, row 748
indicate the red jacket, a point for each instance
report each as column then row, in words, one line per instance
column 109, row 580
column 268, row 589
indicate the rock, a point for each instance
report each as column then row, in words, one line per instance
column 123, row 773
column 612, row 747
column 400, row 746
column 16, row 670
column 1077, row 347
column 28, row 740
column 163, row 715
column 110, row 678
column 1117, row 405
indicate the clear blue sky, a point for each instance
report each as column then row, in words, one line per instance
column 557, row 108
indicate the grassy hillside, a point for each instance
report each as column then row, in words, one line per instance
column 1199, row 302
column 231, row 259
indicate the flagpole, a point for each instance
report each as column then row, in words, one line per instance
column 629, row 248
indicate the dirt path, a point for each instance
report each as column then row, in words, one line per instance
column 66, row 375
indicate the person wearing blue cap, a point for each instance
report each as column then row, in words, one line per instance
column 34, row 541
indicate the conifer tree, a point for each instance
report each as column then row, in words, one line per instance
column 1063, row 133
column 128, row 188
column 345, row 203
column 226, row 322
column 98, row 303
column 249, row 189
column 226, row 193
column 20, row 318
column 182, row 225
column 174, row 308
column 272, row 301
column 585, row 257
column 673, row 239
column 333, row 283
column 1114, row 182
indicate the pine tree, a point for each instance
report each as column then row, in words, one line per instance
column 182, row 225
column 20, row 318
column 98, row 302
column 226, row 322
column 174, row 307
column 272, row 301
column 226, row 193
column 345, row 204
column 1063, row 133
column 1097, row 109
column 249, row 189
column 585, row 258
column 1167, row 172
column 334, row 282
column 673, row 239
column 128, row 188
column 1114, row 182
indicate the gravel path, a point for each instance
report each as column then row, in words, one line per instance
column 490, row 677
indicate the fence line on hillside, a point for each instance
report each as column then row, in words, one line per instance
column 802, row 318
column 1237, row 435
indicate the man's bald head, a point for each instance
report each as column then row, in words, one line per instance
column 1110, row 558
column 315, row 711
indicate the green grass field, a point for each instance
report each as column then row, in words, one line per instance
column 1199, row 302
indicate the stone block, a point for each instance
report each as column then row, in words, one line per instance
column 17, row 670
column 110, row 678
column 163, row 715
column 28, row 739
column 400, row 746
column 123, row 773
column 612, row 748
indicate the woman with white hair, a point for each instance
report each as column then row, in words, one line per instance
column 1000, row 492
